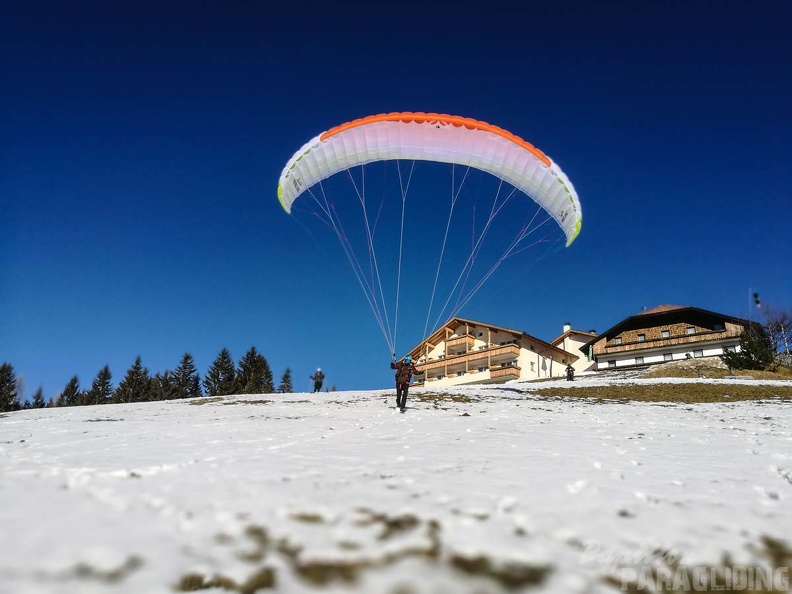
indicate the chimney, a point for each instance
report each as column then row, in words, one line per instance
column 567, row 327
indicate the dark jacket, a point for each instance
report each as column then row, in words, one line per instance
column 404, row 371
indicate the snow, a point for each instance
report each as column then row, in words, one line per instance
column 340, row 492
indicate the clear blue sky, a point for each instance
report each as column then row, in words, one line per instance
column 141, row 146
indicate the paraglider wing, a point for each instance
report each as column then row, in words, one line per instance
column 435, row 137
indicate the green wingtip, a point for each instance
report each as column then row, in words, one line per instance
column 576, row 233
column 280, row 199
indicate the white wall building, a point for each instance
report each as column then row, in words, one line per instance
column 470, row 352
column 575, row 341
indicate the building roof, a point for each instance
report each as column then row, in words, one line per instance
column 570, row 332
column 660, row 309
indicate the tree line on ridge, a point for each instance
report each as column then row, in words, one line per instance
column 252, row 376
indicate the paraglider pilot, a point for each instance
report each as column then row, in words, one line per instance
column 404, row 372
column 318, row 378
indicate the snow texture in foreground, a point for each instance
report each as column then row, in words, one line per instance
column 340, row 492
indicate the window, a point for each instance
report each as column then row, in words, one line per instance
column 698, row 354
column 533, row 365
column 718, row 327
column 481, row 334
column 639, row 360
column 690, row 330
column 668, row 357
column 665, row 333
column 617, row 340
column 641, row 337
column 482, row 369
column 612, row 363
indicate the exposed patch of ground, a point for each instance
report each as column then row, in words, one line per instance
column 347, row 572
column 439, row 397
column 199, row 401
column 688, row 393
column 773, row 558
column 683, row 393
column 711, row 368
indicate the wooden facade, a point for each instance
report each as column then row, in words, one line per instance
column 672, row 330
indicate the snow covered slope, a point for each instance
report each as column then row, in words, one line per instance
column 483, row 490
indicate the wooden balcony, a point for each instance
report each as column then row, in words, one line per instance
column 498, row 353
column 467, row 341
column 699, row 338
column 503, row 352
column 505, row 373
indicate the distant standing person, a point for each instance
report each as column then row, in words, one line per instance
column 570, row 372
column 404, row 372
column 318, row 379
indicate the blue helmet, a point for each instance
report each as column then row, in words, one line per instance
column 408, row 359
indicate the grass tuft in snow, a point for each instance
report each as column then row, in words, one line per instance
column 512, row 574
column 390, row 525
column 261, row 542
column 308, row 517
column 322, row 573
column 777, row 552
column 260, row 580
column 439, row 398
column 208, row 400
column 85, row 571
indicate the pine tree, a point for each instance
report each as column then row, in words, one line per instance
column 186, row 379
column 136, row 385
column 221, row 379
column 269, row 381
column 255, row 375
column 163, row 386
column 71, row 395
column 38, row 398
column 9, row 395
column 285, row 386
column 101, row 389
column 756, row 350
